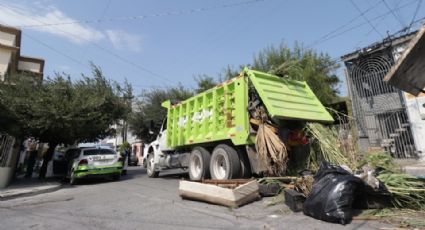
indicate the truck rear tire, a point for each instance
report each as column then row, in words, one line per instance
column 225, row 163
column 199, row 164
column 245, row 164
column 150, row 167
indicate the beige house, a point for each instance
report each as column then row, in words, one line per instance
column 11, row 61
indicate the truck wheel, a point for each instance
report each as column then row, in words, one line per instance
column 199, row 164
column 151, row 167
column 225, row 163
column 245, row 164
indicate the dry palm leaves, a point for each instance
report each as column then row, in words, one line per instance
column 304, row 185
column 328, row 146
column 271, row 150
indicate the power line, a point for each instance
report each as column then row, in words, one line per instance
column 337, row 59
column 341, row 27
column 393, row 13
column 102, row 15
column 364, row 23
column 142, row 17
column 364, row 16
column 54, row 49
column 107, row 51
column 416, row 12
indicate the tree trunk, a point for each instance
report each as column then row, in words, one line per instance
column 46, row 159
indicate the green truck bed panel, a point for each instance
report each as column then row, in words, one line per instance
column 221, row 113
column 288, row 99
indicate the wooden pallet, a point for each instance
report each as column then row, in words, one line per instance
column 231, row 193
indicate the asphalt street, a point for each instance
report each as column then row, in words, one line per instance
column 139, row 202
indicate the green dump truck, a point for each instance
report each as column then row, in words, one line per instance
column 213, row 133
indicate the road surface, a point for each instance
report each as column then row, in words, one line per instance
column 139, row 202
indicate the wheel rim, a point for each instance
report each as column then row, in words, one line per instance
column 196, row 166
column 220, row 167
column 150, row 165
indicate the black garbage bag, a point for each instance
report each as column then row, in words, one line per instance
column 334, row 190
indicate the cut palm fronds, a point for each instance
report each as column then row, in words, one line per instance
column 271, row 150
column 407, row 191
column 327, row 146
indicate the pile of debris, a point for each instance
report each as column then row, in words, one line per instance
column 335, row 180
column 341, row 185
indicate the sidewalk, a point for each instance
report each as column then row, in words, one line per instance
column 29, row 187
column 21, row 187
column 412, row 167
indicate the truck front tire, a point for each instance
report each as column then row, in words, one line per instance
column 199, row 164
column 225, row 163
column 150, row 167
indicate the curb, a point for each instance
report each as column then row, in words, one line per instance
column 30, row 193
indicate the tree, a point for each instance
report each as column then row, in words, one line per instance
column 318, row 70
column 204, row 82
column 149, row 110
column 59, row 111
column 128, row 97
column 298, row 63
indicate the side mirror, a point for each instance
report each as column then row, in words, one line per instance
column 151, row 127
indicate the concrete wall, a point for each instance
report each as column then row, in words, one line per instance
column 29, row 66
column 5, row 56
column 7, row 39
column 416, row 112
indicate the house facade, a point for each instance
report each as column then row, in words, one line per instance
column 387, row 118
column 11, row 63
column 11, row 60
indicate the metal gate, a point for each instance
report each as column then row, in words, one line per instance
column 6, row 147
column 378, row 107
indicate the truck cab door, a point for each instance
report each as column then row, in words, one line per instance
column 162, row 137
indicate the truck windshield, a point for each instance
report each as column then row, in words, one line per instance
column 92, row 152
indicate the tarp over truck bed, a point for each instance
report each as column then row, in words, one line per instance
column 221, row 113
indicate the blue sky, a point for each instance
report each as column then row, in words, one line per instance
column 159, row 43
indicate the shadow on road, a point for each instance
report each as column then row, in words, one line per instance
column 132, row 173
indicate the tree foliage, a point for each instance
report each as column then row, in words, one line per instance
column 298, row 63
column 204, row 82
column 59, row 111
column 149, row 110
column 317, row 69
column 64, row 112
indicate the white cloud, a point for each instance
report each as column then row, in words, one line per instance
column 40, row 12
column 123, row 40
column 18, row 15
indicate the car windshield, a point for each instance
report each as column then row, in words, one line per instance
column 91, row 152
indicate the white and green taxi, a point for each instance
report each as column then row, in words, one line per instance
column 94, row 162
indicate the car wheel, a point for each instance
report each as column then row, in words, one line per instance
column 199, row 164
column 73, row 179
column 151, row 167
column 116, row 177
column 225, row 163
